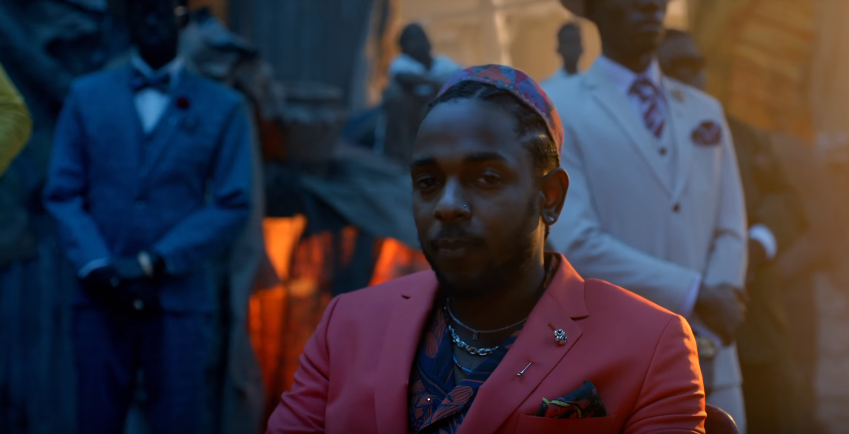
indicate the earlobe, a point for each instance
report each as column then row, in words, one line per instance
column 553, row 189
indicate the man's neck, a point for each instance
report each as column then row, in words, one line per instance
column 638, row 64
column 502, row 306
column 157, row 61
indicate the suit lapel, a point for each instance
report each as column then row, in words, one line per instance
column 682, row 126
column 159, row 140
column 395, row 363
column 620, row 109
column 504, row 391
column 125, row 108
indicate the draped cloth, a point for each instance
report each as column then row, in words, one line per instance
column 759, row 55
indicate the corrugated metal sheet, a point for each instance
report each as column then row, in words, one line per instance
column 309, row 40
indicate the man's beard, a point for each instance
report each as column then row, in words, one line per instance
column 495, row 276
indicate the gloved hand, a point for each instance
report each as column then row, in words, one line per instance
column 142, row 266
column 138, row 294
column 102, row 283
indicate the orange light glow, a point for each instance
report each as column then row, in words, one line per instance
column 282, row 319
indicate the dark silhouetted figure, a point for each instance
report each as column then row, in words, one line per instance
column 149, row 181
column 570, row 47
column 414, row 78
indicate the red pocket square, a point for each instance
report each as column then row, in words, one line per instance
column 708, row 133
column 579, row 404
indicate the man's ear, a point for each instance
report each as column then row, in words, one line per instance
column 553, row 189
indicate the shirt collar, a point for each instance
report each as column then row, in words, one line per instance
column 623, row 77
column 172, row 68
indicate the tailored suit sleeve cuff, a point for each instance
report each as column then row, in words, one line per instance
column 91, row 266
column 692, row 295
column 761, row 233
column 687, row 312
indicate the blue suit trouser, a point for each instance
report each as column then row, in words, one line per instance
column 172, row 352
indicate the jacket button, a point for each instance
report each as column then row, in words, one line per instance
column 676, row 208
column 138, row 304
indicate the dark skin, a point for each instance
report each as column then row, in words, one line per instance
column 681, row 59
column 415, row 43
column 477, row 200
column 155, row 30
column 570, row 46
column 631, row 32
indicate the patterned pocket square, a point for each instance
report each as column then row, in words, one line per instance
column 580, row 404
column 708, row 133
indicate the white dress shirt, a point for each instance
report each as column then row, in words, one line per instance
column 623, row 78
column 150, row 102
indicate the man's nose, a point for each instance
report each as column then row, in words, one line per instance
column 452, row 204
column 654, row 6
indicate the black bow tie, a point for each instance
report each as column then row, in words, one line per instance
column 140, row 82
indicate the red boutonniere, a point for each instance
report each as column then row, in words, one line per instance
column 183, row 103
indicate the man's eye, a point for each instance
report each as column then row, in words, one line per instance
column 489, row 179
column 425, row 183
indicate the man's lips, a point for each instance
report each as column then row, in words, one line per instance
column 650, row 27
column 455, row 244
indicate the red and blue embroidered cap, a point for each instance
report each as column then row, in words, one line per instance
column 519, row 84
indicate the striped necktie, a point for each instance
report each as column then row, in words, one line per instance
column 652, row 105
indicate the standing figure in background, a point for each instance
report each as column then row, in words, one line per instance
column 776, row 222
column 15, row 122
column 570, row 47
column 657, row 203
column 414, row 78
column 150, row 180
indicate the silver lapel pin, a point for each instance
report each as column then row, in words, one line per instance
column 560, row 337
column 523, row 370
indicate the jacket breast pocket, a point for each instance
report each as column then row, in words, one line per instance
column 594, row 425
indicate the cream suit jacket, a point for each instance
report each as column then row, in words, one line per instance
column 643, row 220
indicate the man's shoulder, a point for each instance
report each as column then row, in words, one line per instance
column 96, row 81
column 379, row 297
column 625, row 307
column 567, row 93
column 213, row 90
column 694, row 98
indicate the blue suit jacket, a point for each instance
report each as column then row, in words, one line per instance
column 183, row 190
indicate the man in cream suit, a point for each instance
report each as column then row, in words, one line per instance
column 656, row 204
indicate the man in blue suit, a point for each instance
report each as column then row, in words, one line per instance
column 150, row 180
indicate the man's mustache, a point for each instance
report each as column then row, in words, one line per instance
column 452, row 238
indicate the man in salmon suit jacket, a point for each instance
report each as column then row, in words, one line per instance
column 500, row 337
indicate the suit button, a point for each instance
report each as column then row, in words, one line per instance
column 662, row 151
column 676, row 208
column 138, row 304
column 140, row 205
